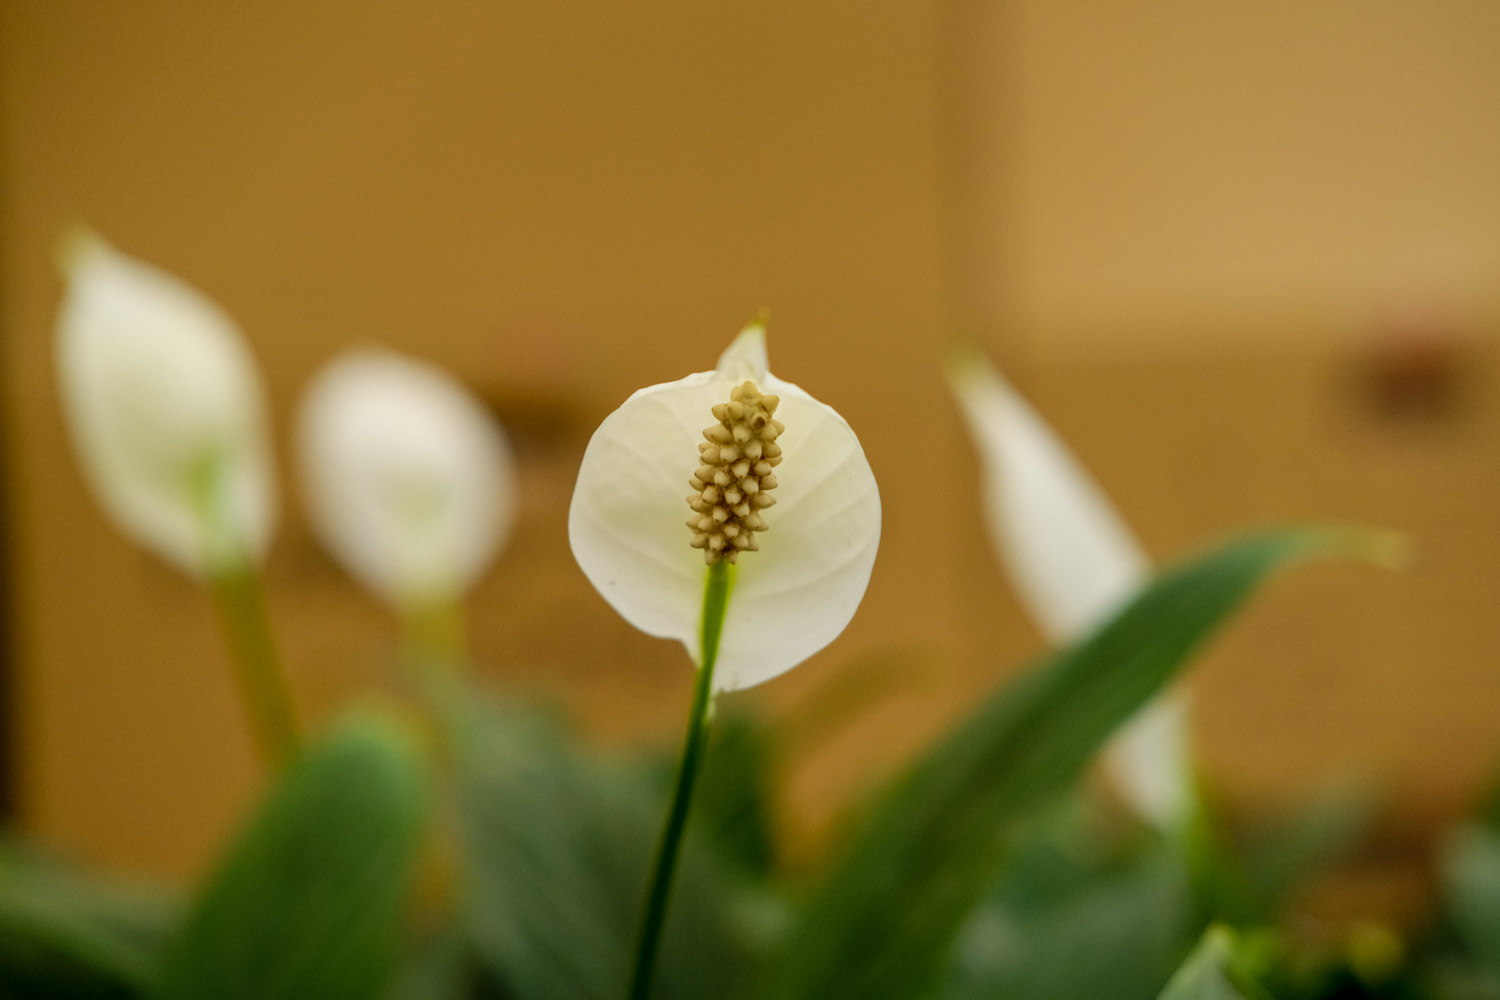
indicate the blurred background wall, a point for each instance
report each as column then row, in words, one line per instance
column 1245, row 258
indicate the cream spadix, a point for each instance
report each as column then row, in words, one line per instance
column 801, row 567
column 407, row 480
column 1073, row 562
column 165, row 410
column 733, row 485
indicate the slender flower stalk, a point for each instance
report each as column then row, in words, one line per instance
column 167, row 417
column 1074, row 563
column 783, row 512
column 434, row 635
column 239, row 601
column 716, row 590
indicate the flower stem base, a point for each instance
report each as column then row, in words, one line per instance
column 241, row 608
column 720, row 580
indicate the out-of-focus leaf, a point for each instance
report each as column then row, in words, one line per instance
column 440, row 968
column 1465, row 964
column 309, row 902
column 1448, row 978
column 732, row 804
column 1107, row 933
column 1278, row 859
column 1471, row 881
column 883, row 924
column 1205, row 975
column 1221, row 886
column 64, row 935
column 556, row 851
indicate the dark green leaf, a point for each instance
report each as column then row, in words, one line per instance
column 732, row 805
column 1221, row 885
column 557, row 847
column 1466, row 965
column 440, row 968
column 309, row 903
column 1471, row 880
column 1281, row 857
column 884, row 922
column 66, row 935
column 1111, row 932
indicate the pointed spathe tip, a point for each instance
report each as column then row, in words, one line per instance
column 978, row 385
column 79, row 246
column 960, row 354
column 746, row 357
column 968, row 367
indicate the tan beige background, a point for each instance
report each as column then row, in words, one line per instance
column 1248, row 260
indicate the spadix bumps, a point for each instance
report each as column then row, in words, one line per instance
column 734, row 483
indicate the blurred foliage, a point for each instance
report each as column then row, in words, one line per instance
column 1209, row 974
column 884, row 921
column 555, row 848
column 310, row 899
column 475, row 847
column 67, row 935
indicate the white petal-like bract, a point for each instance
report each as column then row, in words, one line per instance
column 627, row 522
column 1067, row 550
column 1073, row 562
column 407, row 479
column 165, row 409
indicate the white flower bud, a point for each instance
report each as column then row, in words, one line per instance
column 165, row 410
column 407, row 480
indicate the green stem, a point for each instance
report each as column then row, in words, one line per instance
column 433, row 635
column 241, row 608
column 716, row 589
column 434, row 650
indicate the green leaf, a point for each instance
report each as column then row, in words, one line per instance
column 1059, row 928
column 309, row 902
column 1470, row 868
column 64, row 934
column 884, row 922
column 733, row 804
column 556, row 850
column 1205, row 975
column 439, row 968
column 1467, row 964
column 1317, row 835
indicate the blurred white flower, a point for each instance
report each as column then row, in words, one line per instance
column 1073, row 562
column 407, row 480
column 797, row 582
column 165, row 410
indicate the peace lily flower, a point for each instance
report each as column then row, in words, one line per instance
column 1074, row 563
column 735, row 513
column 167, row 416
column 408, row 481
column 165, row 409
column 796, row 511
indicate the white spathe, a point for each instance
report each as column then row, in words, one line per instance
column 165, row 409
column 406, row 478
column 627, row 523
column 1073, row 562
